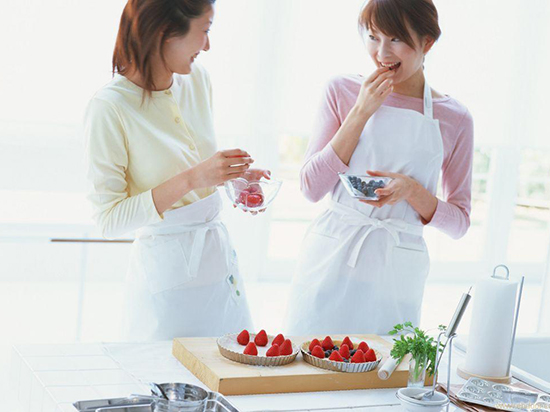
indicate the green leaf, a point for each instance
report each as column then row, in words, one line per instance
column 417, row 343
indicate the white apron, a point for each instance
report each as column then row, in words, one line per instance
column 183, row 278
column 363, row 269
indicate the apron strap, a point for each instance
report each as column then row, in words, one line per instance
column 354, row 217
column 428, row 103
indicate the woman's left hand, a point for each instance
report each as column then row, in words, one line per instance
column 255, row 175
column 401, row 188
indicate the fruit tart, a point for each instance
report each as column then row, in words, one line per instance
column 258, row 348
column 345, row 355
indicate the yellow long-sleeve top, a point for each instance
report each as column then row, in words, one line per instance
column 132, row 148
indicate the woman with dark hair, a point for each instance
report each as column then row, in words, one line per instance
column 363, row 264
column 154, row 168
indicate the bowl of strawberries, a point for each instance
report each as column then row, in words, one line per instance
column 258, row 348
column 341, row 355
column 250, row 194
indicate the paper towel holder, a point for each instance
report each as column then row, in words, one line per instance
column 504, row 379
column 494, row 275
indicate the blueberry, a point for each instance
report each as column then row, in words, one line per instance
column 336, row 348
column 327, row 353
column 346, row 360
column 352, row 352
column 309, row 352
column 370, row 192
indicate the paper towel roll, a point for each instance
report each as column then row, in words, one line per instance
column 490, row 336
column 387, row 369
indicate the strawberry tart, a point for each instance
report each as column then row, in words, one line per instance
column 258, row 348
column 345, row 355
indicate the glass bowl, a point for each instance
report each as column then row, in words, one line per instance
column 363, row 186
column 252, row 196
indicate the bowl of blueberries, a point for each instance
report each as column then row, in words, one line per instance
column 363, row 186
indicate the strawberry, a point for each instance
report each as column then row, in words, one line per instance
column 327, row 343
column 359, row 357
column 344, row 351
column 279, row 339
column 254, row 200
column 370, row 356
column 243, row 338
column 347, row 341
column 335, row 356
column 286, row 348
column 363, row 346
column 254, row 188
column 261, row 338
column 243, row 196
column 273, row 351
column 318, row 352
column 314, row 342
column 251, row 349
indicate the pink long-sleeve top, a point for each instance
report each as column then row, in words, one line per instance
column 319, row 174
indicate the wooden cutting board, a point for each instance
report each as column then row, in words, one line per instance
column 202, row 357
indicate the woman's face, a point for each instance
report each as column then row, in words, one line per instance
column 180, row 52
column 390, row 51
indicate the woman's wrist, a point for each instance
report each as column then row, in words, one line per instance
column 361, row 112
column 417, row 192
column 423, row 202
column 186, row 181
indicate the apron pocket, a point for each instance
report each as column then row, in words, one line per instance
column 411, row 264
column 164, row 264
column 317, row 256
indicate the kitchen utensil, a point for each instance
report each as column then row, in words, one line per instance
column 407, row 398
column 450, row 333
column 501, row 396
column 202, row 357
column 493, row 328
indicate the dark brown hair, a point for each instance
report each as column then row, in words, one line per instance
column 141, row 23
column 391, row 18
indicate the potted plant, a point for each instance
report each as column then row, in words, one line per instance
column 423, row 350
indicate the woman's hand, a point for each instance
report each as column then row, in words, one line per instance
column 221, row 167
column 401, row 188
column 374, row 91
column 255, row 175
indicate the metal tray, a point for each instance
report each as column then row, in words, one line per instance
column 137, row 404
column 503, row 397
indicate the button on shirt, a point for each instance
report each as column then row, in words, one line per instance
column 132, row 147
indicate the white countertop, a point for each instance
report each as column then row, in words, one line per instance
column 49, row 378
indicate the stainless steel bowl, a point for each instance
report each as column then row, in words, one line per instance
column 183, row 397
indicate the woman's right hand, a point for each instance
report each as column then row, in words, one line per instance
column 221, row 167
column 374, row 91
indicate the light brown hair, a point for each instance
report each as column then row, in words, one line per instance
column 391, row 18
column 140, row 25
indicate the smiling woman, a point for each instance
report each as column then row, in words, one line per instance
column 157, row 38
column 410, row 28
column 154, row 168
column 370, row 255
